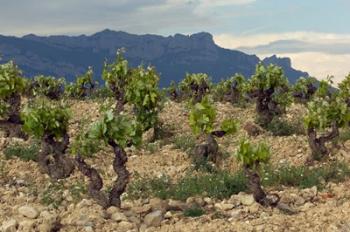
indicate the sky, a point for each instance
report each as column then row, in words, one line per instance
column 315, row 34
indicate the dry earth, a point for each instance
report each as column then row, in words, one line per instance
column 22, row 187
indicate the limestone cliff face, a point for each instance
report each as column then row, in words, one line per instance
column 173, row 56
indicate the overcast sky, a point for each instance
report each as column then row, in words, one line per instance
column 314, row 33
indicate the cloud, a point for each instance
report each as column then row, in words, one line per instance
column 319, row 65
column 253, row 40
column 320, row 54
column 136, row 16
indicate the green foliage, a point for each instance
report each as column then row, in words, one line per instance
column 48, row 86
column 11, row 84
column 301, row 89
column 53, row 194
column 282, row 127
column 194, row 211
column 229, row 126
column 202, row 117
column 216, row 185
column 77, row 191
column 324, row 88
column 344, row 89
column 195, row 85
column 11, row 80
column 184, row 142
column 83, row 86
column 45, row 117
column 252, row 156
column 102, row 93
column 233, row 89
column 271, row 78
column 22, row 151
column 116, row 75
column 268, row 77
column 118, row 128
column 304, row 176
column 322, row 112
column 143, row 92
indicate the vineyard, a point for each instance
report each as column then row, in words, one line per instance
column 245, row 154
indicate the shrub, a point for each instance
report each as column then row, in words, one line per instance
column 48, row 121
column 251, row 157
column 12, row 86
column 118, row 131
column 48, row 86
column 269, row 86
column 195, row 86
column 202, row 116
column 143, row 92
column 325, row 116
column 83, row 87
column 232, row 90
column 304, row 89
column 116, row 76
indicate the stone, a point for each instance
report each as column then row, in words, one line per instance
column 208, row 200
column 142, row 209
column 9, row 226
column 112, row 210
column 252, row 129
column 125, row 226
column 309, row 194
column 168, row 215
column 154, row 219
column 28, row 211
column 88, row 229
column 118, row 217
column 254, row 208
column 224, row 206
column 158, row 204
column 245, row 199
column 26, row 225
column 177, row 205
column 84, row 203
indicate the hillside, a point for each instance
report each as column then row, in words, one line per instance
column 173, row 56
column 31, row 202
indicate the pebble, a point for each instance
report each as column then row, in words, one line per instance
column 154, row 219
column 28, row 211
column 9, row 226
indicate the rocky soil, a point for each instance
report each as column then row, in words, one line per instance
column 26, row 202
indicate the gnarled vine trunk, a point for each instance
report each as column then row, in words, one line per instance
column 14, row 101
column 96, row 182
column 318, row 144
column 305, row 97
column 266, row 107
column 254, row 185
column 209, row 150
column 52, row 158
column 199, row 91
column 12, row 126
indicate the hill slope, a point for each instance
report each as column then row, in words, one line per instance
column 173, row 56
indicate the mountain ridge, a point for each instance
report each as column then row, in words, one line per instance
column 173, row 55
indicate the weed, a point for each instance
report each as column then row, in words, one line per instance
column 194, row 211
column 22, row 151
column 185, row 143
